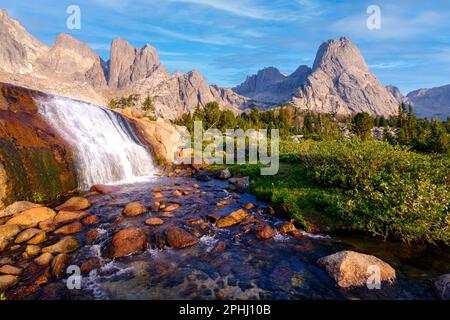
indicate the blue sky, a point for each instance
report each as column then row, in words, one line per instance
column 228, row 39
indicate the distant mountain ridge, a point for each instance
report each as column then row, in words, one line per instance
column 339, row 82
column 71, row 68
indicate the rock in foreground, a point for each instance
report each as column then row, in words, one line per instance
column 353, row 269
column 128, row 241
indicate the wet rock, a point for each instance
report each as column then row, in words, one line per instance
column 224, row 203
column 27, row 234
column 44, row 259
column 65, row 245
column 232, row 219
column 155, row 206
column 263, row 231
column 119, row 219
column 249, row 206
column 69, row 216
column 223, row 174
column 195, row 221
column 104, row 189
column 287, row 228
column 179, row 238
column 220, row 246
column 58, row 265
column 298, row 234
column 177, row 193
column 48, row 225
column 69, row 229
column 7, row 282
column 166, row 215
column 74, row 204
column 195, row 186
column 31, row 251
column 240, row 183
column 30, row 218
column 128, row 241
column 92, row 235
column 90, row 220
column 90, row 264
column 154, row 222
column 442, row 287
column 171, row 207
column 134, row 209
column 353, row 269
column 38, row 238
column 11, row 270
column 17, row 208
column 158, row 195
column 202, row 176
column 3, row 245
column 213, row 217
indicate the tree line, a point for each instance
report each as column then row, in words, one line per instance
column 404, row 129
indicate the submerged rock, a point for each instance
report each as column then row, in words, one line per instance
column 74, row 204
column 442, row 287
column 128, row 241
column 353, row 269
column 179, row 238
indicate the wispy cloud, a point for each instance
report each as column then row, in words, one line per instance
column 241, row 8
column 207, row 39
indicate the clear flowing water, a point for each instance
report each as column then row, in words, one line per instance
column 106, row 149
column 248, row 268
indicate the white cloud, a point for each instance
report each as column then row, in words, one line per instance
column 241, row 8
column 208, row 39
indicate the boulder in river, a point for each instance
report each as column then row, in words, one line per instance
column 154, row 222
column 353, row 269
column 58, row 264
column 263, row 231
column 32, row 217
column 442, row 286
column 223, row 174
column 134, row 209
column 69, row 216
column 74, row 204
column 44, row 259
column 232, row 219
column 128, row 241
column 179, row 238
column 9, row 269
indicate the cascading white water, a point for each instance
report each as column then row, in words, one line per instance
column 106, row 149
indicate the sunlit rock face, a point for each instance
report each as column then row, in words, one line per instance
column 50, row 146
column 36, row 163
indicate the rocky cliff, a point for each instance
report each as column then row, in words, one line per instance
column 71, row 68
column 339, row 82
column 430, row 103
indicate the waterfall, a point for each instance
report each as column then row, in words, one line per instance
column 106, row 149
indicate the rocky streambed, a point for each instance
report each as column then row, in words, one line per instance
column 179, row 238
